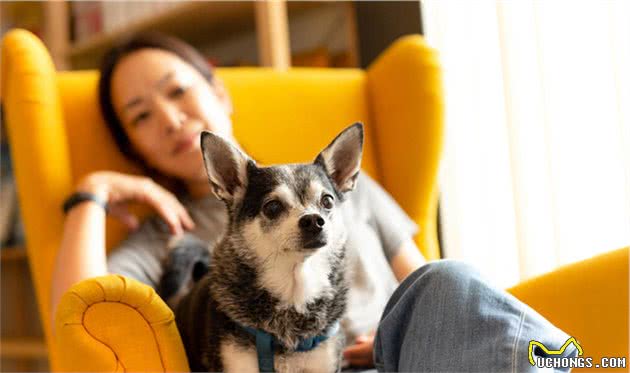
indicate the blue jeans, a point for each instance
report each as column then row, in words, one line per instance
column 446, row 318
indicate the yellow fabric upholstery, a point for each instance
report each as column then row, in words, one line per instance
column 35, row 126
column 89, row 320
column 112, row 323
column 405, row 91
column 588, row 300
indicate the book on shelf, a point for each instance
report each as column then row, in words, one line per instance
column 91, row 18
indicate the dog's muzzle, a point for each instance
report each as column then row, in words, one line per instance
column 313, row 233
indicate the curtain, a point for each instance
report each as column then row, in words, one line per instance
column 536, row 167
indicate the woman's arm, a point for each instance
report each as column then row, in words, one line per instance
column 407, row 260
column 82, row 253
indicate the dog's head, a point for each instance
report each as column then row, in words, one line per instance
column 293, row 209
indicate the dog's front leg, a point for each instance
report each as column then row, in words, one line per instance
column 326, row 358
column 236, row 358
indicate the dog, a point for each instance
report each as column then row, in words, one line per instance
column 275, row 289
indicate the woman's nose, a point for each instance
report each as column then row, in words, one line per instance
column 170, row 117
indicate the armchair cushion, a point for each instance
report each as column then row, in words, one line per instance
column 588, row 300
column 114, row 323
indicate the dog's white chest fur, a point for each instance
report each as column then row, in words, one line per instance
column 309, row 280
column 322, row 359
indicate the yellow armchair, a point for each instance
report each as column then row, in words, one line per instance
column 114, row 323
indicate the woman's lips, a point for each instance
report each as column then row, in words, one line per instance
column 185, row 144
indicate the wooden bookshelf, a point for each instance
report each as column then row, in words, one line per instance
column 56, row 33
column 23, row 348
column 190, row 20
column 13, row 253
column 22, row 345
column 204, row 24
column 201, row 22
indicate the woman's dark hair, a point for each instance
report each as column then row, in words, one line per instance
column 110, row 61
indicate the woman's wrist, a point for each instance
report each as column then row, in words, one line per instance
column 90, row 190
column 78, row 198
column 93, row 184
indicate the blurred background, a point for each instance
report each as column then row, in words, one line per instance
column 535, row 172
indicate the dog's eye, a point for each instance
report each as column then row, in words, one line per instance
column 272, row 209
column 327, row 201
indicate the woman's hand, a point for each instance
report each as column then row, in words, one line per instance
column 119, row 189
column 360, row 354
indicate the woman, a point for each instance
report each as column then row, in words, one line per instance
column 157, row 94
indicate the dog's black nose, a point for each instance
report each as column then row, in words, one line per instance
column 312, row 227
column 312, row 223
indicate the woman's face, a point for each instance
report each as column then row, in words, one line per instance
column 164, row 104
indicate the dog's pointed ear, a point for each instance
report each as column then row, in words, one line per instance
column 342, row 158
column 225, row 164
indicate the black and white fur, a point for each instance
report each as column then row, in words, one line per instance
column 280, row 266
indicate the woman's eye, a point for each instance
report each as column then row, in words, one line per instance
column 177, row 92
column 141, row 117
column 328, row 201
column 272, row 209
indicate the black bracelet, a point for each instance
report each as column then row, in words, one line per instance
column 79, row 197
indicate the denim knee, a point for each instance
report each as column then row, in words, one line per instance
column 448, row 271
column 450, row 278
column 446, row 317
column 430, row 302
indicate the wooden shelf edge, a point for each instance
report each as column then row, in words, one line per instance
column 13, row 253
column 23, row 347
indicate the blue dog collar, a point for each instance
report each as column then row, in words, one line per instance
column 266, row 344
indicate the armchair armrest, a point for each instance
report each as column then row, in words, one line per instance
column 39, row 152
column 588, row 300
column 114, row 323
column 406, row 102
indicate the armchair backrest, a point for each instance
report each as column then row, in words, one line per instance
column 279, row 117
column 57, row 134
